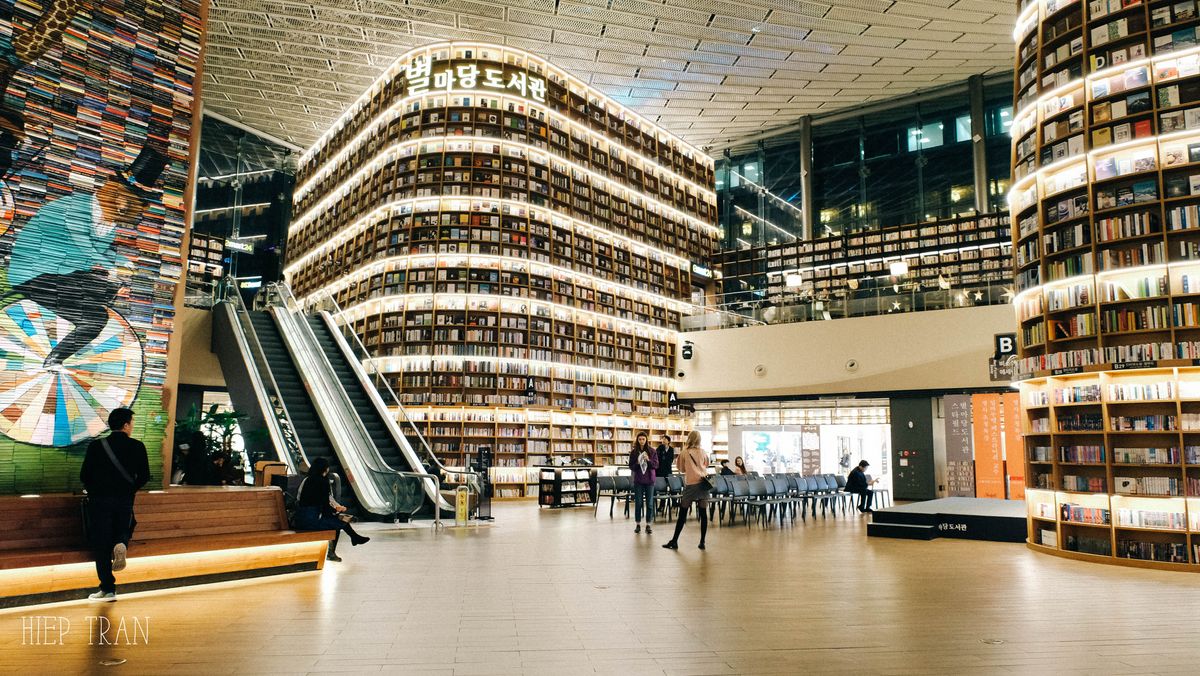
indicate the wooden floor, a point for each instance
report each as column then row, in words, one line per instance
column 558, row 592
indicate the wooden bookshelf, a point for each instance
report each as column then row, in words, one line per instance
column 958, row 252
column 514, row 249
column 1106, row 242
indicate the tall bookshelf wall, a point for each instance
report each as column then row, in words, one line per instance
column 514, row 249
column 1106, row 248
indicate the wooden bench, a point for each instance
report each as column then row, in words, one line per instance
column 227, row 533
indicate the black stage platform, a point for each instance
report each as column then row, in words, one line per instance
column 968, row 518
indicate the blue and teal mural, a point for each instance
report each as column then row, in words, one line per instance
column 95, row 119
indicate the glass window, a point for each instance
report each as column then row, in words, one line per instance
column 925, row 136
column 962, row 128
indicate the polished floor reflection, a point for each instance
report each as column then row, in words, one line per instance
column 561, row 592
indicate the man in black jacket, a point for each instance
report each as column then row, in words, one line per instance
column 114, row 468
column 857, row 483
column 666, row 456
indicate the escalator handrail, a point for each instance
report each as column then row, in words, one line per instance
column 331, row 411
column 347, row 431
column 367, row 362
column 380, row 407
column 291, row 451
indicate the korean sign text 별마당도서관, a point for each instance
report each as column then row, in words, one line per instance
column 421, row 77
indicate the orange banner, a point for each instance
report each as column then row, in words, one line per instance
column 1014, row 447
column 986, row 413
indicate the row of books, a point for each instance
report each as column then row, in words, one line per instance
column 1079, row 514
column 1081, row 454
column 1141, row 391
column 1081, row 422
column 1153, row 317
column 1077, row 394
column 1149, row 485
column 1143, row 423
column 1170, row 552
column 1084, row 484
column 1146, row 456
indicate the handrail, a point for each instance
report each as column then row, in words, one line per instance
column 346, row 425
column 369, row 363
column 380, row 406
column 248, row 343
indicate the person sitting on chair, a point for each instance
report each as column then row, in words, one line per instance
column 858, row 484
column 317, row 510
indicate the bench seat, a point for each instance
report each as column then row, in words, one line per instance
column 228, row 533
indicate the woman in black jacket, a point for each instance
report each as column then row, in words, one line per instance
column 317, row 510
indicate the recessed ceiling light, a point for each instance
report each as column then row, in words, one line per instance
column 756, row 29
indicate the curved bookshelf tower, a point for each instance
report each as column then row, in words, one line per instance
column 1106, row 225
column 514, row 248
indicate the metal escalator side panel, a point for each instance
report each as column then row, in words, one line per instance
column 350, row 442
column 243, row 379
column 381, row 409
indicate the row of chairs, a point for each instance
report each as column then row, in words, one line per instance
column 762, row 497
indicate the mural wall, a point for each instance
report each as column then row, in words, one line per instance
column 95, row 120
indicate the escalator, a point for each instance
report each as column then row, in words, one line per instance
column 372, row 418
column 296, row 375
column 305, row 422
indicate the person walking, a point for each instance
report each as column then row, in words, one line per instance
column 858, row 484
column 693, row 464
column 114, row 469
column 317, row 510
column 643, row 460
column 666, row 456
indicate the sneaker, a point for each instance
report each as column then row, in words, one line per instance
column 638, row 529
column 103, row 596
column 118, row 558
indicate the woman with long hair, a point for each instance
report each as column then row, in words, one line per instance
column 643, row 460
column 317, row 510
column 693, row 464
column 739, row 466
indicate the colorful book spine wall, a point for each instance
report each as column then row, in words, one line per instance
column 502, row 236
column 101, row 103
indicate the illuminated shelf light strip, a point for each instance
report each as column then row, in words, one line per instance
column 392, row 112
column 1090, row 156
column 598, row 283
column 364, row 308
column 393, row 70
column 388, row 365
column 344, row 187
column 1113, row 272
column 383, row 211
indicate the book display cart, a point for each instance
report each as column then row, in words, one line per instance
column 566, row 486
column 1106, row 188
column 514, row 248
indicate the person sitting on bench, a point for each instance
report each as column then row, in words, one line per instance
column 317, row 510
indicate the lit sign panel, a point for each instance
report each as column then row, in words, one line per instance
column 421, row 78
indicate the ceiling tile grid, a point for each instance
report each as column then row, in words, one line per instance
column 711, row 71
